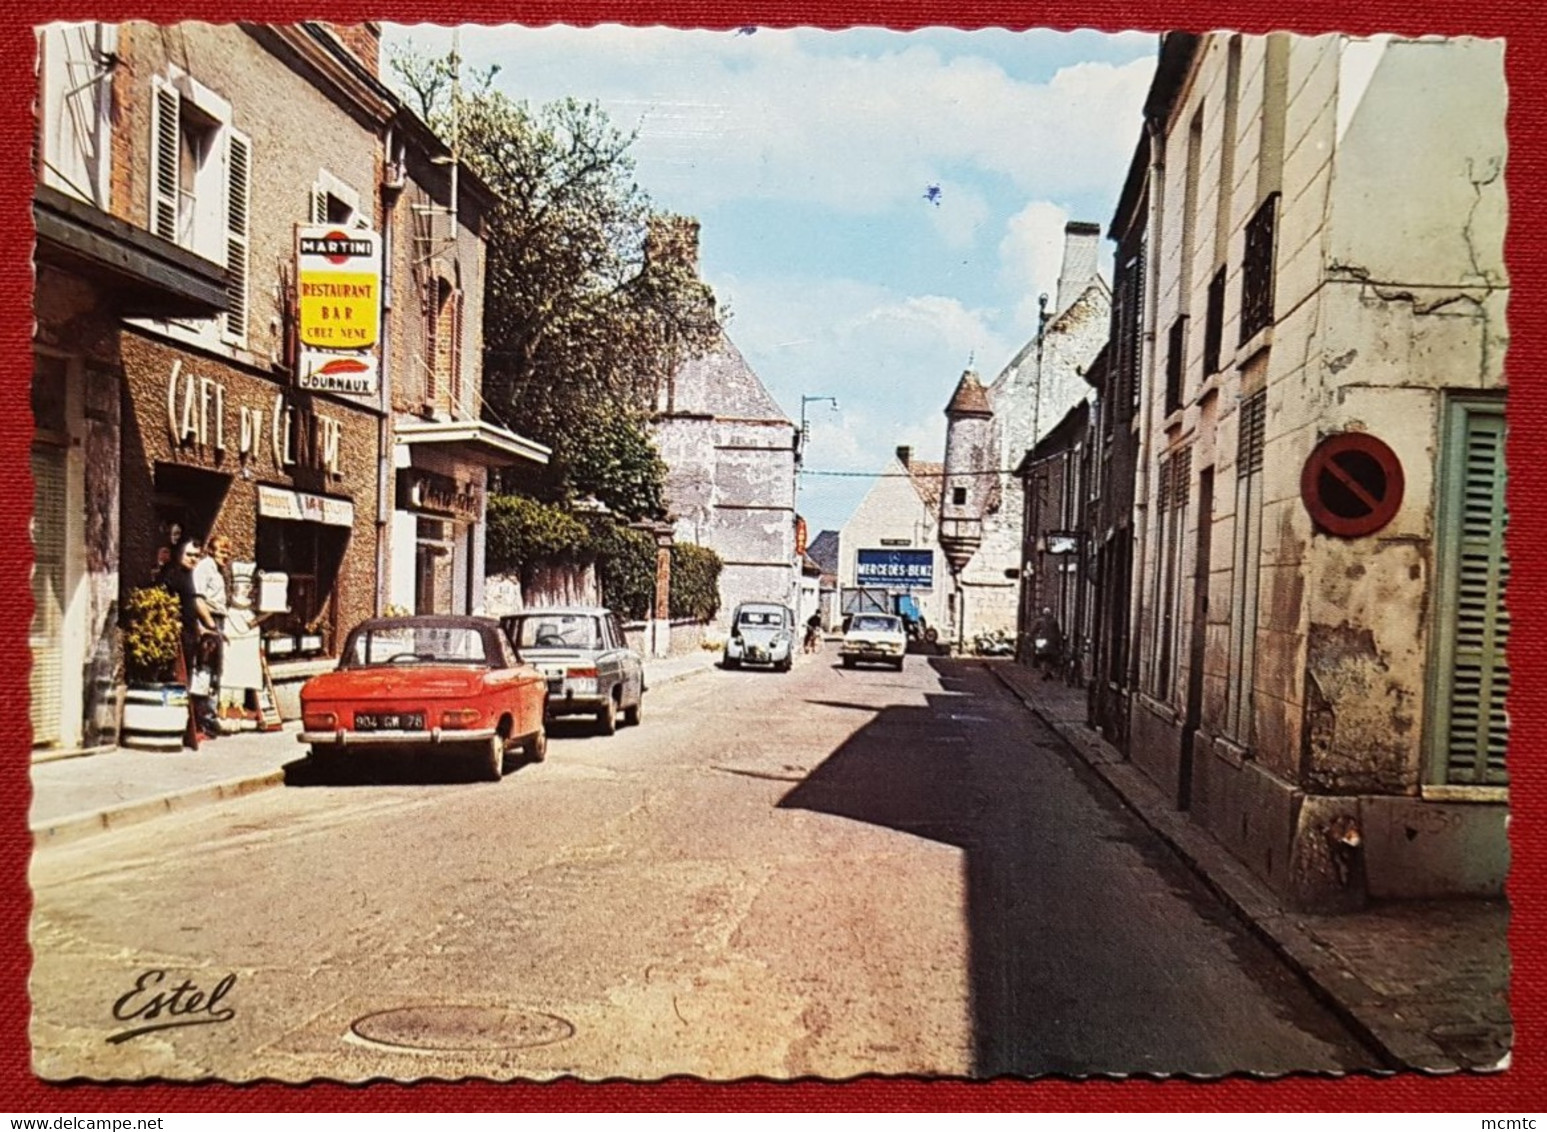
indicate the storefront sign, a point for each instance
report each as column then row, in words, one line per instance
column 421, row 490
column 338, row 308
column 197, row 413
column 896, row 569
column 303, row 507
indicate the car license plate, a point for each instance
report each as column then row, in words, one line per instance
column 391, row 721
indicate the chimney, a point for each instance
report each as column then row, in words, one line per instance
column 363, row 41
column 1082, row 261
column 904, row 455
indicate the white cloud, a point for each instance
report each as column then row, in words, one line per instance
column 726, row 116
column 1031, row 255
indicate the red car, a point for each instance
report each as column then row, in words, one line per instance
column 438, row 685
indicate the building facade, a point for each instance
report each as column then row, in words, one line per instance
column 176, row 167
column 891, row 545
column 1029, row 396
column 730, row 455
column 436, row 487
column 1056, row 568
column 94, row 268
column 1320, row 565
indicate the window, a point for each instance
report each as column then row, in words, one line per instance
column 1468, row 726
column 1214, row 323
column 1257, row 270
column 75, row 109
column 1173, row 498
column 1244, row 579
column 958, row 496
column 200, row 186
column 1176, row 363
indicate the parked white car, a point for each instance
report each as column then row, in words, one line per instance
column 761, row 633
column 877, row 637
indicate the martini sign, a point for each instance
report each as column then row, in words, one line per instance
column 338, row 308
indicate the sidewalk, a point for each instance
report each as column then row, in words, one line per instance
column 77, row 797
column 1426, row 983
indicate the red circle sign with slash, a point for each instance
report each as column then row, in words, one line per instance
column 1352, row 484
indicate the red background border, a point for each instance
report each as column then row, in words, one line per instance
column 1520, row 1089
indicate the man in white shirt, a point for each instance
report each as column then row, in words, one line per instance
column 209, row 583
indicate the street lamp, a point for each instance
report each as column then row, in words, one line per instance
column 805, row 427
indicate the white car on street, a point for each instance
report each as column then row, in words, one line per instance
column 877, row 637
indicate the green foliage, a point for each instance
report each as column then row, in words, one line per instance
column 152, row 632
column 626, row 563
column 695, row 582
column 523, row 530
column 591, row 297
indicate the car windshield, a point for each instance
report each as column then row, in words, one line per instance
column 876, row 625
column 760, row 617
column 556, row 631
column 415, row 644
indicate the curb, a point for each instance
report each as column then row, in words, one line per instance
column 1332, row 982
column 73, row 827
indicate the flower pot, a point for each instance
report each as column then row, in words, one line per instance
column 155, row 717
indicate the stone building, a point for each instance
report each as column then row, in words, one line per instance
column 1056, row 572
column 730, row 453
column 891, row 543
column 1320, row 566
column 1032, row 393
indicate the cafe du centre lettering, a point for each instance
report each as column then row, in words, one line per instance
column 197, row 414
column 426, row 491
column 338, row 308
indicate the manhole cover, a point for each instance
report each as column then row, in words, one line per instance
column 440, row 1029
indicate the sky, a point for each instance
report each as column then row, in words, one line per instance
column 878, row 209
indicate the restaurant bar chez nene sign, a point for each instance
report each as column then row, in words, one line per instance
column 338, row 308
column 197, row 414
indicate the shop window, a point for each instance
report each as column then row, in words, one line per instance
column 311, row 554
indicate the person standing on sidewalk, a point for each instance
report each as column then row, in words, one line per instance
column 209, row 580
column 1047, row 643
column 196, row 625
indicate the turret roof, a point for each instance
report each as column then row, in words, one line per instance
column 970, row 398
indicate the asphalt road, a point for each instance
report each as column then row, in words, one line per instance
column 825, row 873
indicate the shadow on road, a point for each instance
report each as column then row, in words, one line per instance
column 1065, row 976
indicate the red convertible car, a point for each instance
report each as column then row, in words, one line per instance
column 436, row 685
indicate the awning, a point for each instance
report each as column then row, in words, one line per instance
column 488, row 444
column 145, row 275
column 301, row 507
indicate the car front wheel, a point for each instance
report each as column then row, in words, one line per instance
column 607, row 718
column 631, row 715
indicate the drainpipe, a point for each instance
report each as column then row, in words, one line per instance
column 1153, row 127
column 384, row 430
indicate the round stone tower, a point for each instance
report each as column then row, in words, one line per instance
column 969, row 449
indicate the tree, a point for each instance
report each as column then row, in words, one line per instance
column 590, row 301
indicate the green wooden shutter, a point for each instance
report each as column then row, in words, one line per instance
column 1472, row 727
column 165, row 183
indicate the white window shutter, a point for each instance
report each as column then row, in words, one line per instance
column 319, row 205
column 165, row 144
column 238, row 199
